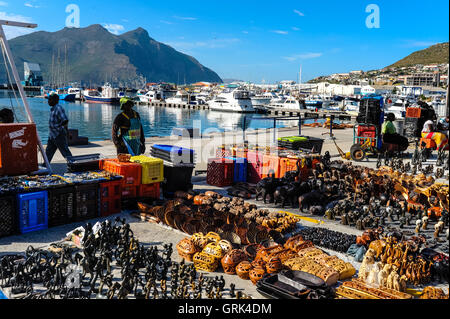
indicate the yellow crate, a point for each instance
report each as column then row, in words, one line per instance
column 152, row 168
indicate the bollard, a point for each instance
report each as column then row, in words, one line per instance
column 299, row 125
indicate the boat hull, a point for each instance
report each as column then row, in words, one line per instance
column 91, row 99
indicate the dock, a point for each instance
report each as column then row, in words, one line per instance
column 307, row 114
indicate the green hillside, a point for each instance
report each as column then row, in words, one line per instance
column 437, row 53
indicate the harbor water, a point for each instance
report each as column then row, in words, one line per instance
column 95, row 120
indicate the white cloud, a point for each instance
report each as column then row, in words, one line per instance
column 185, row 18
column 245, row 32
column 295, row 29
column 165, row 22
column 280, row 32
column 3, row 4
column 208, row 44
column 299, row 13
column 113, row 28
column 29, row 5
column 303, row 56
column 14, row 32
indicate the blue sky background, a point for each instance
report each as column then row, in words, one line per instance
column 256, row 40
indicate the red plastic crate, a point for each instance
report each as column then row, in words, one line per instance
column 366, row 128
column 111, row 189
column 110, row 206
column 220, row 172
column 130, row 191
column 255, row 165
column 149, row 190
column 131, row 172
column 18, row 149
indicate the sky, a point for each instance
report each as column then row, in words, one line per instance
column 260, row 41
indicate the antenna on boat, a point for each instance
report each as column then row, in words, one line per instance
column 7, row 50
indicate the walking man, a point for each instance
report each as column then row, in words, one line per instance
column 58, row 129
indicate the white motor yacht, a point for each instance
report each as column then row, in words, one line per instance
column 76, row 91
column 237, row 100
column 181, row 97
column 149, row 96
column 290, row 103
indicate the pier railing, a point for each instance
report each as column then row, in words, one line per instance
column 300, row 119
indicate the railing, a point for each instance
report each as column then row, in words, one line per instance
column 290, row 118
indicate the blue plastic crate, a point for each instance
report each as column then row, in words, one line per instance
column 240, row 169
column 32, row 210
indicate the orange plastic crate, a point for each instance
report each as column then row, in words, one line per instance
column 287, row 165
column 131, row 172
column 149, row 190
column 413, row 112
column 271, row 165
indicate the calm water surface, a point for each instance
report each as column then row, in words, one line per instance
column 95, row 120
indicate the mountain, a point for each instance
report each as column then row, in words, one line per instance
column 437, row 53
column 96, row 55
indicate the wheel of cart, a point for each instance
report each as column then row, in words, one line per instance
column 365, row 141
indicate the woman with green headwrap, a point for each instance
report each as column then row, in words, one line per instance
column 127, row 131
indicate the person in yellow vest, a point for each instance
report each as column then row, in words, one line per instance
column 390, row 134
column 127, row 131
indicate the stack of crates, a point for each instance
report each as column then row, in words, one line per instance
column 220, row 172
column 32, row 210
column 131, row 173
column 8, row 225
column 152, row 175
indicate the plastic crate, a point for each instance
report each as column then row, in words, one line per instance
column 288, row 165
column 177, row 178
column 87, row 201
column 309, row 143
column 152, row 168
column 220, row 172
column 149, row 190
column 271, row 165
column 110, row 197
column 366, row 128
column 32, row 210
column 131, row 172
column 414, row 112
column 240, row 169
column 61, row 206
column 173, row 154
column 8, row 225
column 130, row 191
column 223, row 152
column 254, row 168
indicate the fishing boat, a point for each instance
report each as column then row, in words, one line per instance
column 314, row 102
column 76, row 91
column 107, row 95
column 232, row 100
column 63, row 94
